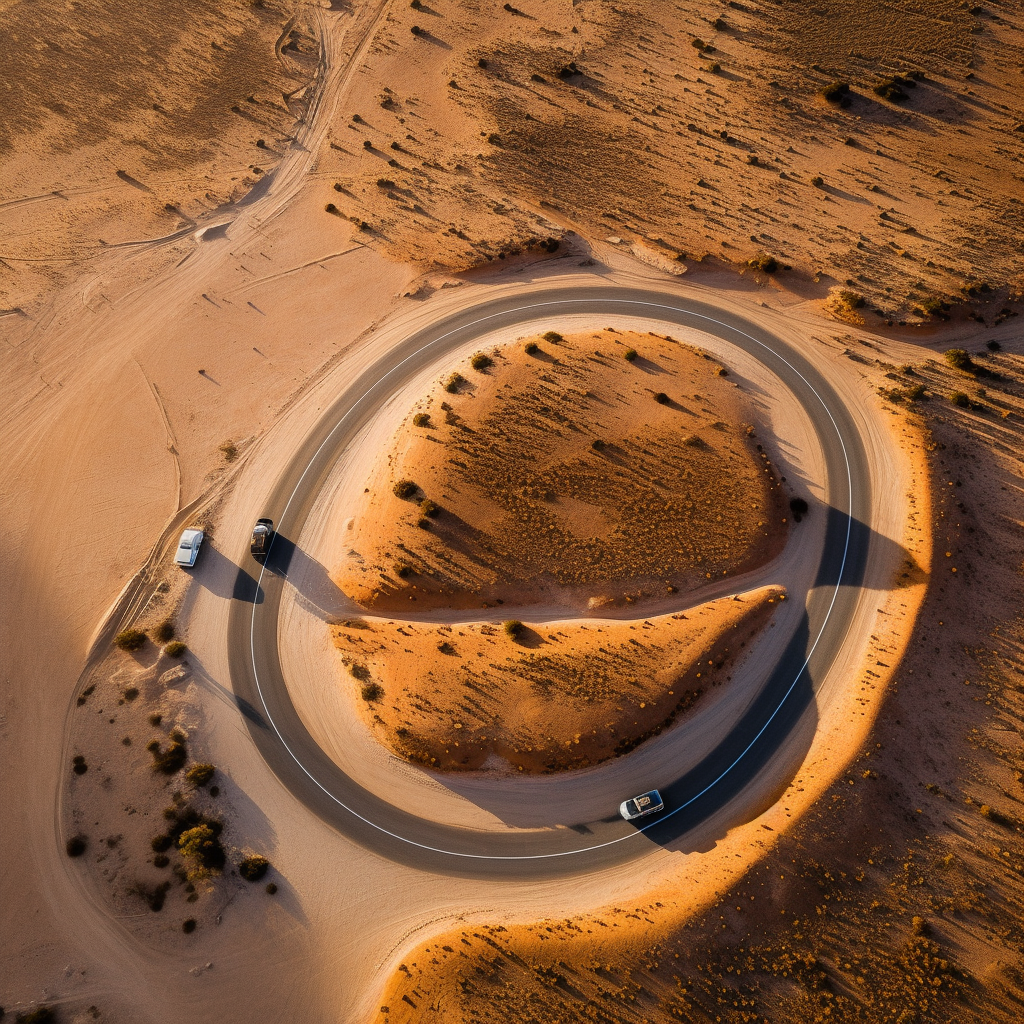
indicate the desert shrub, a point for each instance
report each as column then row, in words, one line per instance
column 229, row 450
column 78, row 765
column 86, row 694
column 960, row 399
column 798, row 506
column 253, row 867
column 423, row 523
column 76, row 845
column 271, row 888
column 130, row 639
column 405, row 488
column 421, row 419
column 154, row 896
column 933, row 306
column 215, row 791
column 371, row 692
column 763, row 262
column 915, row 392
column 530, row 347
column 430, row 508
column 993, row 815
column 598, row 445
column 169, row 760
column 454, row 382
column 891, row 89
column 817, row 181
column 402, row 570
column 201, row 847
column 175, row 649
column 131, row 692
column 161, row 843
column 331, row 208
column 629, row 355
column 714, row 67
column 720, row 24
column 480, row 361
column 661, row 398
column 993, row 346
column 199, row 775
column 161, row 860
column 164, row 632
column 188, row 926
column 156, row 718
column 385, row 183
column 553, row 337
column 837, row 92
column 358, row 671
column 513, row 628
column 700, row 45
column 417, row 31
column 959, row 359
column 40, row 1015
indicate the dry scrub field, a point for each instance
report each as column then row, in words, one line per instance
column 591, row 470
column 556, row 697
column 701, row 130
column 897, row 898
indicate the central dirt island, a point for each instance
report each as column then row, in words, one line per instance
column 566, row 481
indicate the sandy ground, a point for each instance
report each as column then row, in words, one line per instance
column 119, row 389
column 557, row 471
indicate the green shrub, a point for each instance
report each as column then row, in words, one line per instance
column 454, row 382
column 164, row 633
column 837, row 92
column 763, row 262
column 199, row 775
column 530, row 347
column 253, row 867
column 201, row 847
column 513, row 628
column 372, row 692
column 130, row 639
column 171, row 760
column 430, row 508
column 175, row 649
column 960, row 399
column 421, row 419
column 629, row 355
column 480, row 361
column 405, row 489
column 553, row 337
column 76, row 845
column 959, row 359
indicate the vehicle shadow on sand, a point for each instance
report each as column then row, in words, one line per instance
column 317, row 592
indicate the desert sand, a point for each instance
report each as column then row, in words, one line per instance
column 178, row 303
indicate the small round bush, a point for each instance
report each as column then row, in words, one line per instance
column 421, row 419
column 161, row 860
column 405, row 489
column 661, row 398
column 164, row 633
column 199, row 775
column 253, row 867
column 78, row 765
column 629, row 355
column 480, row 361
column 959, row 359
column 76, row 845
column 513, row 628
column 131, row 693
column 271, row 888
column 454, row 382
column 530, row 347
column 818, row 181
column 372, row 692
column 331, row 208
column 130, row 639
column 156, row 718
column 552, row 336
column 40, row 1015
column 959, row 399
column 430, row 508
column 188, row 926
column 161, row 843
column 175, row 649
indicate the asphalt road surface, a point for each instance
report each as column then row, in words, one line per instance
column 567, row 847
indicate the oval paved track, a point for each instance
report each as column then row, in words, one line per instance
column 319, row 783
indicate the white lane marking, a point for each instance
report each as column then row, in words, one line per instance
column 746, row 749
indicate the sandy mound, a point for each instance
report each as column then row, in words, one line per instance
column 554, row 697
column 597, row 468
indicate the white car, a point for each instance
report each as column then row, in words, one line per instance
column 639, row 806
column 188, row 548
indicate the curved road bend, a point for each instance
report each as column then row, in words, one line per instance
column 576, row 847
